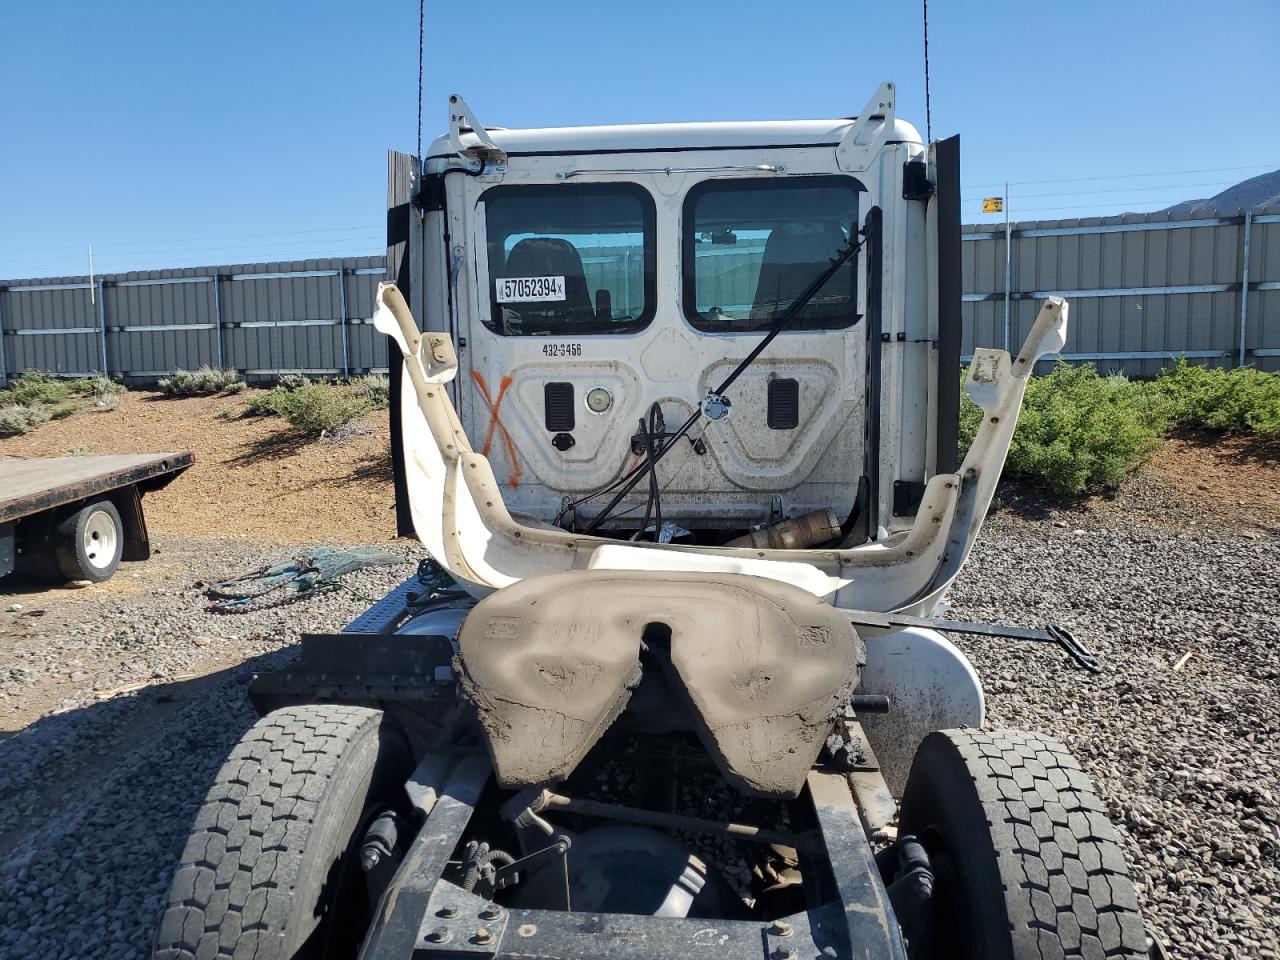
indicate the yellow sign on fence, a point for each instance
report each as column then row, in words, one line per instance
column 992, row 204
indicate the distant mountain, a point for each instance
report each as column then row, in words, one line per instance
column 1260, row 191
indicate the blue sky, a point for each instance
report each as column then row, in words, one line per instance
column 175, row 133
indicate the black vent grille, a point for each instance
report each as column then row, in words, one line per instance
column 784, row 404
column 557, row 399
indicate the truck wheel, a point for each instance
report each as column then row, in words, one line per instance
column 272, row 868
column 87, row 544
column 1026, row 863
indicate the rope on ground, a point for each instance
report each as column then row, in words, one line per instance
column 306, row 575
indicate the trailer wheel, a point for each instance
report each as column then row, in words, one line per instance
column 271, row 869
column 1026, row 863
column 88, row 543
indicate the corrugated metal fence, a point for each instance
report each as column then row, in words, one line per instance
column 262, row 319
column 1144, row 289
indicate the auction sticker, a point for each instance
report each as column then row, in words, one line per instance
column 525, row 289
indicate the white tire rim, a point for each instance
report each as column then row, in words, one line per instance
column 100, row 539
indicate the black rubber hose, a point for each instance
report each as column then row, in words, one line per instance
column 484, row 858
column 655, row 493
column 648, row 506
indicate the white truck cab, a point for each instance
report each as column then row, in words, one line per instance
column 595, row 277
column 711, row 327
column 787, row 293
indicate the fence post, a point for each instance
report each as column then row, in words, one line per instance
column 4, row 364
column 102, row 323
column 1008, row 266
column 342, row 309
column 1244, row 283
column 217, row 320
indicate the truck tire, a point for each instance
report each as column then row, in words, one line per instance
column 1026, row 863
column 88, row 543
column 271, row 869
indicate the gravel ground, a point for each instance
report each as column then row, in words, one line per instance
column 1187, row 760
column 95, row 801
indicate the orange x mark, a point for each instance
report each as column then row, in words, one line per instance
column 496, row 426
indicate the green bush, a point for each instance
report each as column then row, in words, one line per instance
column 33, row 398
column 16, row 418
column 293, row 381
column 33, row 388
column 99, row 388
column 202, row 382
column 269, row 404
column 375, row 388
column 1210, row 398
column 314, row 408
column 1077, row 431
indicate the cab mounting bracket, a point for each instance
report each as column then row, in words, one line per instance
column 469, row 139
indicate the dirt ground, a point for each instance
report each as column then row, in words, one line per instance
column 1238, row 477
column 253, row 479
column 259, row 491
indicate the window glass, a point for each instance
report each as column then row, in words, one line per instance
column 752, row 246
column 569, row 259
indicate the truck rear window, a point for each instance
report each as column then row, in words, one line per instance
column 752, row 246
column 570, row 259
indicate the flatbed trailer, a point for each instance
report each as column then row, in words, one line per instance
column 76, row 518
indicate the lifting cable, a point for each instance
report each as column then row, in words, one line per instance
column 928, row 111
column 629, row 480
column 421, row 26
